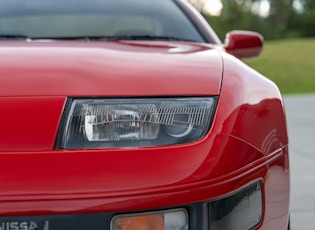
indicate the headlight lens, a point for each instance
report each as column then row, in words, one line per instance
column 119, row 123
column 161, row 220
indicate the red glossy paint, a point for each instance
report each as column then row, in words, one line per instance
column 29, row 123
column 247, row 141
column 244, row 44
column 130, row 68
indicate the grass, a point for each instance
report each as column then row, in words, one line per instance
column 289, row 63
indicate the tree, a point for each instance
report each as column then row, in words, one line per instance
column 283, row 20
column 236, row 14
column 305, row 22
column 308, row 5
column 281, row 17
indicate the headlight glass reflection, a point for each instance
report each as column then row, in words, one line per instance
column 119, row 123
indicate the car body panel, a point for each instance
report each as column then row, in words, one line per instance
column 29, row 123
column 246, row 144
column 230, row 156
column 78, row 69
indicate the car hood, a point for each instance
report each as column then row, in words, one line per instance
column 108, row 68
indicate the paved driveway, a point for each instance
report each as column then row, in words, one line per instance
column 301, row 123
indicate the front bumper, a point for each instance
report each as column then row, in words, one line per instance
column 83, row 190
column 256, row 194
column 241, row 210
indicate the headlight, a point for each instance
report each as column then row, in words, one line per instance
column 119, row 123
column 161, row 220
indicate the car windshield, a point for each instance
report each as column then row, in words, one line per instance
column 95, row 19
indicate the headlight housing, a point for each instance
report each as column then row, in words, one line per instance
column 123, row 123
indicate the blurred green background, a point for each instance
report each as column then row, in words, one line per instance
column 288, row 27
column 289, row 63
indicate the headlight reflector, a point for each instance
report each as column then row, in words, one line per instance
column 121, row 122
column 118, row 123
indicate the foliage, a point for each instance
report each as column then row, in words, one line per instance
column 284, row 19
column 308, row 4
column 241, row 21
column 289, row 63
column 305, row 23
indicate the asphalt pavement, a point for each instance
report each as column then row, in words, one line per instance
column 301, row 125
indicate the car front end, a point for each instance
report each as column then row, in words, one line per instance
column 129, row 134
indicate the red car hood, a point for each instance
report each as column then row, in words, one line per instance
column 125, row 68
column 37, row 77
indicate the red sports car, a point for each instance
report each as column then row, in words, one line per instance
column 132, row 115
